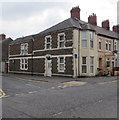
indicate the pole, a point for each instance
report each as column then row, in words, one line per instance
column 32, row 55
column 76, row 68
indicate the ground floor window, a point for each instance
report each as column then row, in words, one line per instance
column 108, row 62
column 91, row 64
column 61, row 64
column 113, row 62
column 24, row 64
column 84, row 65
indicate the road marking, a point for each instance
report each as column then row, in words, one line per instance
column 52, row 87
column 57, row 114
column 75, row 83
column 6, row 96
column 100, row 101
column 32, row 92
column 17, row 94
column 64, row 86
column 25, row 78
column 101, row 83
column 2, row 94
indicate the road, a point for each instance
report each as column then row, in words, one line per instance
column 27, row 98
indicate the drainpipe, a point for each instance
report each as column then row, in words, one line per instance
column 78, row 53
column 32, row 56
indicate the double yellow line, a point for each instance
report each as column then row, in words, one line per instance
column 2, row 94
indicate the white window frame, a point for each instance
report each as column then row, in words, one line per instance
column 84, row 39
column 110, row 46
column 84, row 64
column 116, row 62
column 107, row 45
column 115, row 45
column 108, row 60
column 113, row 60
column 91, row 39
column 59, row 70
column 91, row 64
column 23, row 50
column 61, row 41
column 100, row 41
column 48, row 43
column 23, row 64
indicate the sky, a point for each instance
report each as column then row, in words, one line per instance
column 21, row 18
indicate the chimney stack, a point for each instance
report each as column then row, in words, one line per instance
column 116, row 28
column 2, row 36
column 106, row 25
column 75, row 12
column 92, row 19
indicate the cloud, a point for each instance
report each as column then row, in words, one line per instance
column 35, row 23
column 26, row 18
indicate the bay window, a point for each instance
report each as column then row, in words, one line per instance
column 84, row 39
column 84, row 65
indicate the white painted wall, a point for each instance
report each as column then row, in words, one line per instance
column 2, row 66
column 87, row 52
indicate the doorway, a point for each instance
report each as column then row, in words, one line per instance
column 48, row 66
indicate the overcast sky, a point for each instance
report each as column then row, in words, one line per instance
column 26, row 18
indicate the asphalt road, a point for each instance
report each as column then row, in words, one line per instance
column 26, row 98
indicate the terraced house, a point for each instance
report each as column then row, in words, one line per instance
column 71, row 48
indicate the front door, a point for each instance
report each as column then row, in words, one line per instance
column 100, row 63
column 48, row 67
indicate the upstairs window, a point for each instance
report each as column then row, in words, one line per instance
column 91, row 39
column 61, row 40
column 48, row 42
column 109, row 46
column 115, row 44
column 106, row 45
column 24, row 49
column 84, row 39
column 100, row 44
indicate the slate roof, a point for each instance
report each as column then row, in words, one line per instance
column 4, row 48
column 75, row 23
column 5, row 40
column 72, row 23
column 22, row 39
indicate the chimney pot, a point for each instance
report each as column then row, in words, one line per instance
column 75, row 12
column 106, row 25
column 92, row 19
column 116, row 28
column 2, row 36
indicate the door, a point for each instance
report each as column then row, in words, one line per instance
column 48, row 68
column 100, row 63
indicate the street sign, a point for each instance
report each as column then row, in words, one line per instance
column 75, row 56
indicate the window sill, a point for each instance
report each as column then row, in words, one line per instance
column 61, row 71
column 24, row 69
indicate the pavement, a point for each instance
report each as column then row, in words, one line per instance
column 60, row 79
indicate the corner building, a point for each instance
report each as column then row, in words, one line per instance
column 70, row 48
